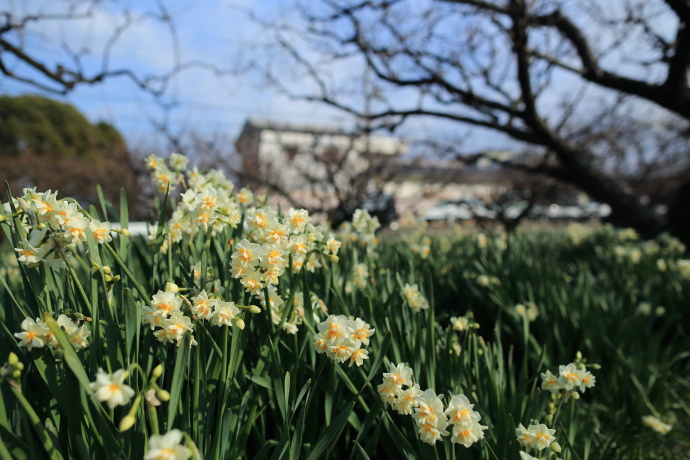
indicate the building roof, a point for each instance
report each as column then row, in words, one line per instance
column 293, row 127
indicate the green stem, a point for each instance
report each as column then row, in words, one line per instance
column 35, row 422
column 80, row 289
column 129, row 274
column 153, row 418
column 4, row 453
column 222, row 393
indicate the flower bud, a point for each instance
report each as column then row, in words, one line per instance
column 157, row 372
column 254, row 309
column 12, row 359
column 334, row 258
column 125, row 232
column 163, row 395
column 240, row 323
column 171, row 287
column 575, row 395
column 555, row 447
column 127, row 423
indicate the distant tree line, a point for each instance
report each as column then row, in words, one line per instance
column 50, row 145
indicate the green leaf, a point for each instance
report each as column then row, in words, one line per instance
column 132, row 320
column 178, row 379
column 259, row 381
column 329, row 436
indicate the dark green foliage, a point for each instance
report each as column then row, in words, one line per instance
column 51, row 145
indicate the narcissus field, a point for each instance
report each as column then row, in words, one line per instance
column 240, row 331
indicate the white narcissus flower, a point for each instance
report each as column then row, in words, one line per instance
column 459, row 324
column 35, row 334
column 101, row 231
column 165, row 303
column 246, row 253
column 399, row 375
column 334, row 328
column 297, row 220
column 319, row 343
column 460, row 411
column 178, row 161
column 75, row 228
column 656, row 424
column 523, row 436
column 388, row 392
column 587, row 381
column 79, row 336
column 202, row 306
column 570, row 376
column 341, row 351
column 550, row 382
column 407, row 400
column 430, row 433
column 358, row 356
column 468, row 434
column 224, row 313
column 177, row 324
column 541, row 436
column 111, row 388
column 526, row 456
column 361, row 332
column 430, row 411
column 29, row 254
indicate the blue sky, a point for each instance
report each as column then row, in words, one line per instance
column 213, row 31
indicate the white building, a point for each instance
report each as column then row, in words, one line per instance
column 324, row 167
column 318, row 166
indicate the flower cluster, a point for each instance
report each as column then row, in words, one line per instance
column 463, row 323
column 684, row 267
column 207, row 205
column 362, row 230
column 422, row 247
column 527, row 310
column 578, row 233
column 571, row 377
column 295, row 317
column 426, row 408
column 341, row 339
column 168, row 321
column 276, row 241
column 537, row 436
column 36, row 334
column 486, row 280
column 164, row 177
column 414, row 298
column 54, row 228
column 360, row 276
